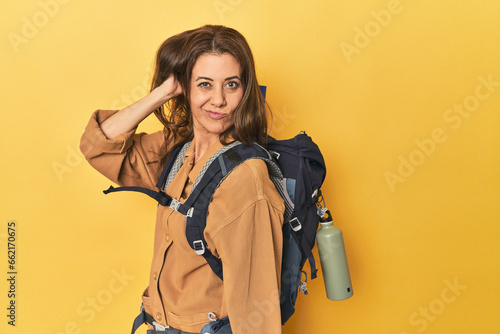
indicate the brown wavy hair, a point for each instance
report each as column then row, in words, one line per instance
column 177, row 56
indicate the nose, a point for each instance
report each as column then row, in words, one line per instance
column 218, row 97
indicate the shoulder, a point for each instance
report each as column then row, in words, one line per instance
column 251, row 172
column 246, row 193
column 247, row 185
column 252, row 177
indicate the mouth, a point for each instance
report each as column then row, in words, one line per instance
column 215, row 115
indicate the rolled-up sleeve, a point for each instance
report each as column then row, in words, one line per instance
column 129, row 159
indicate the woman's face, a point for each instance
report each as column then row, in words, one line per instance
column 215, row 92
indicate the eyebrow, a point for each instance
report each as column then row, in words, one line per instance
column 210, row 79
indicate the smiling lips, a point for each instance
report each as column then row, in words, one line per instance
column 215, row 115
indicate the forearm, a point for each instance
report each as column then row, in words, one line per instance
column 130, row 117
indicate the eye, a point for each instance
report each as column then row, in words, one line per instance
column 233, row 85
column 204, row 84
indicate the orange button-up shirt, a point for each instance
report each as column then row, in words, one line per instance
column 243, row 229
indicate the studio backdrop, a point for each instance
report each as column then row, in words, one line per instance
column 402, row 96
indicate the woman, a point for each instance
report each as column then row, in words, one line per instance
column 204, row 90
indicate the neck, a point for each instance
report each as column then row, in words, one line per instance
column 201, row 145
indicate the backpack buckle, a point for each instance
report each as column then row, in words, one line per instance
column 199, row 247
column 174, row 205
column 159, row 327
column 303, row 285
column 295, row 224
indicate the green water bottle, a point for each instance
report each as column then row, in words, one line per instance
column 333, row 260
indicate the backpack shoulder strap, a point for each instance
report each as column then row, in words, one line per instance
column 214, row 172
column 172, row 166
column 195, row 208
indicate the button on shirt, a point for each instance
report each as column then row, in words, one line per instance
column 243, row 229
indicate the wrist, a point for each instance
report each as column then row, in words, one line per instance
column 159, row 96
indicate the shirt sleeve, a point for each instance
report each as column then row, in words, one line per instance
column 129, row 159
column 250, row 247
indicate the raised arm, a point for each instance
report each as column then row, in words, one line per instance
column 111, row 146
column 128, row 118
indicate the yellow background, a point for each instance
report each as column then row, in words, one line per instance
column 371, row 81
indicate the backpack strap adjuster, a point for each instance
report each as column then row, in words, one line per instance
column 295, row 224
column 275, row 154
column 199, row 247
